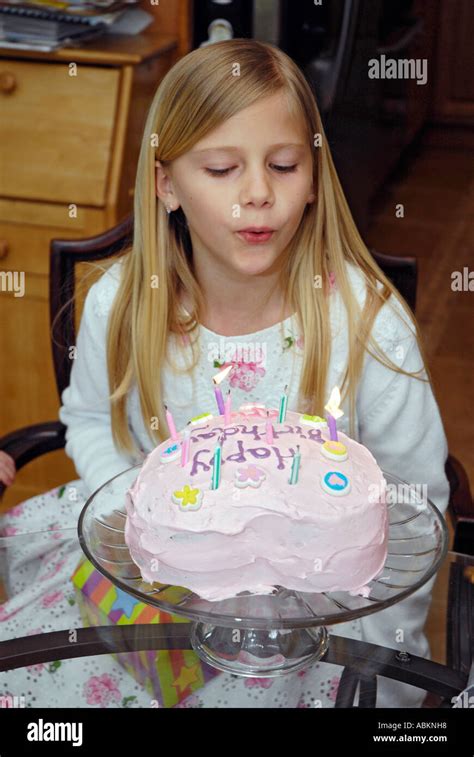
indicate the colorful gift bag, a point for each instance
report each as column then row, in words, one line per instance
column 169, row 675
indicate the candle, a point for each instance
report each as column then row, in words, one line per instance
column 186, row 444
column 333, row 413
column 332, row 427
column 217, row 380
column 283, row 404
column 269, row 429
column 216, row 467
column 227, row 409
column 171, row 426
column 295, row 466
column 219, row 399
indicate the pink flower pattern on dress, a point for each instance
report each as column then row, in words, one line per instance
column 334, row 684
column 54, row 570
column 52, row 599
column 8, row 531
column 101, row 690
column 246, row 376
column 16, row 511
column 4, row 615
column 36, row 668
column 55, row 528
column 262, row 683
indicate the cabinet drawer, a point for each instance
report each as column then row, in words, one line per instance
column 26, row 248
column 56, row 131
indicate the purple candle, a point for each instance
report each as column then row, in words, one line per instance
column 332, row 427
column 216, row 381
column 219, row 399
column 333, row 412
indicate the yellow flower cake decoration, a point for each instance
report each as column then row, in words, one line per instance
column 187, row 498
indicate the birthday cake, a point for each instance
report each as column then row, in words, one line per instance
column 254, row 504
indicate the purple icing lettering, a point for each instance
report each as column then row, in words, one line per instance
column 209, row 435
column 277, row 432
column 315, row 435
column 281, row 464
column 198, row 464
column 253, row 431
column 260, row 452
column 226, row 431
column 239, row 456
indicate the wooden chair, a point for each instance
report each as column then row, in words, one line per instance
column 27, row 443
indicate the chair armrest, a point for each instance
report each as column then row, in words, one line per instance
column 29, row 442
column 460, row 616
column 461, row 504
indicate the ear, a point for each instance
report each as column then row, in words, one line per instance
column 311, row 197
column 164, row 187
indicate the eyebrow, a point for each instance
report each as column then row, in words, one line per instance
column 231, row 148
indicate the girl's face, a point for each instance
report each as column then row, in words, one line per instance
column 254, row 170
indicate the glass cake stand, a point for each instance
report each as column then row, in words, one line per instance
column 269, row 634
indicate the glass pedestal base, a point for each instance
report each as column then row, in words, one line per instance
column 261, row 653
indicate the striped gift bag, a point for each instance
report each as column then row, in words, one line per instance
column 169, row 675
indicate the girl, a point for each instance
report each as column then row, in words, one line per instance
column 233, row 142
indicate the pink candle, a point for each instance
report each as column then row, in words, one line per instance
column 171, row 426
column 186, row 445
column 227, row 409
column 269, row 429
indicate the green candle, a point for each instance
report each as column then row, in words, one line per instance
column 295, row 466
column 216, row 468
column 283, row 404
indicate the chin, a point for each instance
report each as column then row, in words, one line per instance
column 254, row 267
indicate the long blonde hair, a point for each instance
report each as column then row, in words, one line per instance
column 198, row 94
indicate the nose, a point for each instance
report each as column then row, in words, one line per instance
column 256, row 188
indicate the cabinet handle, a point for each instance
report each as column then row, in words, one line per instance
column 7, row 82
column 3, row 249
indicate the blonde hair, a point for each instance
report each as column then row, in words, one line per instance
column 198, row 94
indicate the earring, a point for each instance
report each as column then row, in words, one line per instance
column 168, row 209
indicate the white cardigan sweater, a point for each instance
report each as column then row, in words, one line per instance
column 397, row 417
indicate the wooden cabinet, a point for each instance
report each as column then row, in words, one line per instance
column 57, row 132
column 454, row 92
column 70, row 134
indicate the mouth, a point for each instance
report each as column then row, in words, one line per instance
column 256, row 236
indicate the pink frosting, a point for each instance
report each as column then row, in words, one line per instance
column 254, row 538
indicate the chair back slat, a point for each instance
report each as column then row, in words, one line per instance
column 65, row 255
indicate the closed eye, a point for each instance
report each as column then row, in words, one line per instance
column 225, row 171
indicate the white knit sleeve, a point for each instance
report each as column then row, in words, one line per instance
column 400, row 423
column 85, row 408
column 399, row 418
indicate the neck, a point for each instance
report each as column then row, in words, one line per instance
column 237, row 304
